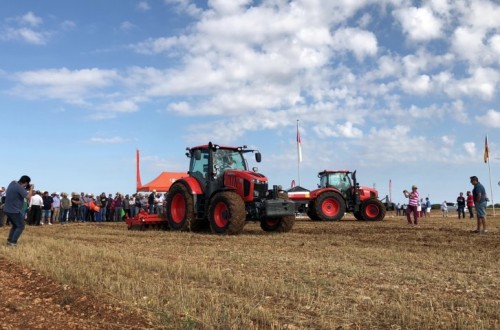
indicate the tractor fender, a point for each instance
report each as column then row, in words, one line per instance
column 315, row 193
column 192, row 185
column 220, row 190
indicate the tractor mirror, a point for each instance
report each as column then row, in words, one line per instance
column 197, row 154
column 258, row 157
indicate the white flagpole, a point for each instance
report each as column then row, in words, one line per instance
column 487, row 154
column 299, row 152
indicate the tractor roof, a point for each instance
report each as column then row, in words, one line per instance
column 334, row 171
column 205, row 146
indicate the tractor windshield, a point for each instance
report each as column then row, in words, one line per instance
column 228, row 159
column 338, row 180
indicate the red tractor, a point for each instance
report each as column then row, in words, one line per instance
column 338, row 193
column 221, row 193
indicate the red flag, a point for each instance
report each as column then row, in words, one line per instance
column 299, row 144
column 486, row 151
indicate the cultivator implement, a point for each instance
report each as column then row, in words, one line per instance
column 144, row 220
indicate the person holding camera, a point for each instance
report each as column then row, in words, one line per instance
column 412, row 205
column 17, row 191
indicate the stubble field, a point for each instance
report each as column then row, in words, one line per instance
column 342, row 275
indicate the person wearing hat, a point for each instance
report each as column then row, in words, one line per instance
column 118, row 203
column 56, row 207
column 65, row 207
column 480, row 202
column 412, row 205
column 17, row 192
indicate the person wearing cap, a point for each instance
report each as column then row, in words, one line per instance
column 104, row 203
column 480, row 201
column 56, row 207
column 412, row 205
column 16, row 193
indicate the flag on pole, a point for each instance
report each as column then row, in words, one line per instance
column 299, row 144
column 486, row 151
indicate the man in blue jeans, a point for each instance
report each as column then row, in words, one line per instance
column 14, row 206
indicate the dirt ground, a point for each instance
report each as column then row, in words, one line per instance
column 28, row 300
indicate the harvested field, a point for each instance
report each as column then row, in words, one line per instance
column 345, row 275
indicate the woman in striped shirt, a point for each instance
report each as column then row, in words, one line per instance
column 412, row 205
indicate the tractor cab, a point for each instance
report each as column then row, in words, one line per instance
column 336, row 179
column 210, row 163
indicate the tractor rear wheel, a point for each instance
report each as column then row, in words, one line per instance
column 311, row 212
column 180, row 210
column 279, row 225
column 329, row 206
column 372, row 210
column 226, row 213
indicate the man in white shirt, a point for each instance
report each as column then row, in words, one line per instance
column 35, row 209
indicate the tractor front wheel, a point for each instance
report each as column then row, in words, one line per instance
column 226, row 213
column 329, row 206
column 180, row 210
column 358, row 215
column 372, row 210
column 279, row 225
column 311, row 212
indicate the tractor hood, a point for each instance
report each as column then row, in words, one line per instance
column 250, row 185
column 367, row 192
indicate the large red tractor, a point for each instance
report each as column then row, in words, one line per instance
column 221, row 193
column 338, row 193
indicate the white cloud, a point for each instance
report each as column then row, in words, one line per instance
column 420, row 24
column 362, row 43
column 30, row 19
column 69, row 85
column 110, row 140
column 417, row 85
column 127, row 26
column 26, row 34
column 470, row 148
column 346, row 130
column 490, row 119
column 143, row 6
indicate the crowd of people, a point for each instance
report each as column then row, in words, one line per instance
column 44, row 208
column 24, row 205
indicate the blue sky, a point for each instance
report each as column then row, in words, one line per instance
column 398, row 90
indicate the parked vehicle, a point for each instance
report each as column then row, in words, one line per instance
column 339, row 192
column 221, row 193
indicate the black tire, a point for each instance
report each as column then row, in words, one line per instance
column 278, row 225
column 373, row 210
column 311, row 212
column 358, row 215
column 200, row 225
column 180, row 212
column 226, row 213
column 329, row 206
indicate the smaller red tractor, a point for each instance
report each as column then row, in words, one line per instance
column 338, row 193
column 221, row 193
